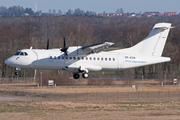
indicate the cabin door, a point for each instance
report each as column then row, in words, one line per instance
column 120, row 61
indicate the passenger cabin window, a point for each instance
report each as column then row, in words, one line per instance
column 113, row 59
column 78, row 58
column 74, row 58
column 97, row 58
column 102, row 59
column 86, row 58
column 54, row 57
column 90, row 58
column 106, row 59
column 50, row 57
column 82, row 58
column 58, row 57
column 94, row 58
column 70, row 58
column 109, row 59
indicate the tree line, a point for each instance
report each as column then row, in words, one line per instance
column 20, row 11
column 23, row 32
column 16, row 11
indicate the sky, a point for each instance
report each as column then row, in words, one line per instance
column 98, row 6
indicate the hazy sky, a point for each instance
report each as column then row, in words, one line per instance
column 98, row 5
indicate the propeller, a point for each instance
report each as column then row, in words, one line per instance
column 64, row 49
column 47, row 47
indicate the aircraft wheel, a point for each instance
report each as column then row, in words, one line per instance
column 85, row 75
column 16, row 73
column 76, row 76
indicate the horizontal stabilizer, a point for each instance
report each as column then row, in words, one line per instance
column 158, row 26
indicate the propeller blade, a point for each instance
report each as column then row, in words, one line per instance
column 47, row 47
column 64, row 43
column 64, row 49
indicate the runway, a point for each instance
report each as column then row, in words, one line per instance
column 8, row 99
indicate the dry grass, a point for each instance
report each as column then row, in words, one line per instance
column 118, row 86
column 89, row 110
column 84, row 89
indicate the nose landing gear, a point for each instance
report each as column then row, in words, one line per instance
column 17, row 71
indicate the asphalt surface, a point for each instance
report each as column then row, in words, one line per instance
column 4, row 99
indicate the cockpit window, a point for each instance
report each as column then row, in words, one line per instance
column 17, row 53
column 22, row 53
column 25, row 53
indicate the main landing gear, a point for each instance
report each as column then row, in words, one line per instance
column 84, row 75
column 17, row 71
column 76, row 76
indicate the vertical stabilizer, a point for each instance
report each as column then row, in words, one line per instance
column 153, row 44
column 163, row 34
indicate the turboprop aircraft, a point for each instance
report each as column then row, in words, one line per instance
column 84, row 59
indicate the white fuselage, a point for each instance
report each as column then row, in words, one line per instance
column 104, row 61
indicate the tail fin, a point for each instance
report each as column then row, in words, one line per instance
column 153, row 44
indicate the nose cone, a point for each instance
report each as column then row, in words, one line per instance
column 8, row 61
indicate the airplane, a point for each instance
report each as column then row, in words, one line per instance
column 85, row 59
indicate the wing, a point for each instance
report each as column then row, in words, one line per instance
column 96, row 48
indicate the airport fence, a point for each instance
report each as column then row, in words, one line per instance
column 16, row 80
column 18, row 95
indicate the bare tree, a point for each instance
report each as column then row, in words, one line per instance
column 33, row 30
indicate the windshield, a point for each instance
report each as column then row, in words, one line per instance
column 17, row 53
column 21, row 53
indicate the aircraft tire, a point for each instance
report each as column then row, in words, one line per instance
column 16, row 73
column 85, row 75
column 76, row 76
